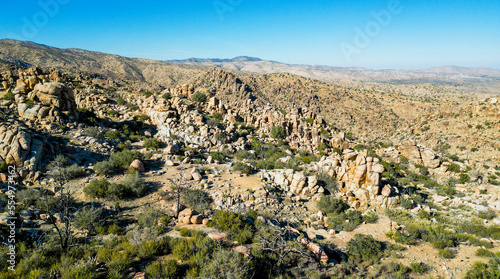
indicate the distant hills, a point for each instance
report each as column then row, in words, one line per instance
column 173, row 71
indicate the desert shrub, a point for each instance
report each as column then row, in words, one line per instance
column 3, row 166
column 264, row 164
column 278, row 132
column 199, row 97
column 217, row 116
column 112, row 113
column 245, row 154
column 167, row 96
column 9, row 97
column 93, row 132
column 329, row 204
column 183, row 249
column 118, row 191
column 141, row 118
column 118, row 161
column 454, row 168
column 152, row 143
column 97, row 188
column 197, row 199
column 327, row 182
column 242, row 168
column 406, row 203
column 149, row 218
column 226, row 264
column 220, row 137
column 482, row 270
column 214, row 122
column 370, row 217
column 114, row 135
column 419, row 268
column 464, row 178
column 401, row 238
column 60, row 169
column 104, row 168
column 163, row 270
column 148, row 249
column 234, row 224
column 487, row 215
column 485, row 253
column 120, row 101
column 137, row 185
column 364, row 248
column 217, row 156
column 446, row 253
column 345, row 221
column 89, row 219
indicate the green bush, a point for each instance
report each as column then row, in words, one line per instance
column 104, row 168
column 3, row 166
column 242, row 168
column 118, row 161
column 141, row 118
column 197, row 199
column 9, row 97
column 97, row 188
column 137, row 185
column 345, row 221
column 330, row 204
column 112, row 113
column 220, row 137
column 364, row 249
column 118, row 191
column 199, row 97
column 163, row 270
column 89, row 219
column 446, row 253
column 419, row 268
column 370, row 217
column 217, row 116
column 464, row 178
column 60, row 169
column 481, row 271
column 485, row 253
column 149, row 218
column 152, row 143
column 454, row 168
column 167, row 96
column 226, row 264
column 278, row 132
column 234, row 224
column 328, row 182
column 114, row 135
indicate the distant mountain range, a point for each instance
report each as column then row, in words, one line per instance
column 172, row 71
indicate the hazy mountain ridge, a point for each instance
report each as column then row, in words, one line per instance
column 461, row 77
column 173, row 72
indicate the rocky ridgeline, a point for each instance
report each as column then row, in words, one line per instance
column 303, row 129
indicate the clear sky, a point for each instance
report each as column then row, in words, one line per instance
column 378, row 34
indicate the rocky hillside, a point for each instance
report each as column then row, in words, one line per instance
column 273, row 175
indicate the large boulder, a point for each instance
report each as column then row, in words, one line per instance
column 21, row 147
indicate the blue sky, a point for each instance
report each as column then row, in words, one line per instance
column 407, row 34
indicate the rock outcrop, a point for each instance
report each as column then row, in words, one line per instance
column 21, row 147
